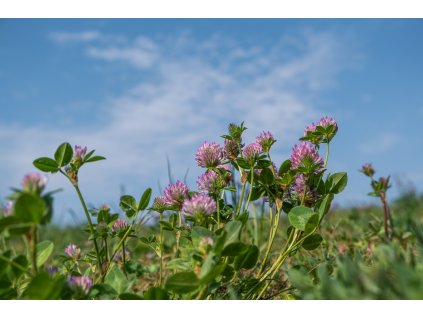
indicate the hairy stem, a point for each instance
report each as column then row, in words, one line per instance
column 327, row 155
column 161, row 252
column 34, row 249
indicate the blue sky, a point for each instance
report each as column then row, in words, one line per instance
column 142, row 89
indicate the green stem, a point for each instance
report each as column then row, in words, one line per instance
column 106, row 249
column 256, row 233
column 218, row 211
column 92, row 230
column 272, row 235
column 241, row 199
column 327, row 155
column 124, row 258
column 17, row 265
column 251, row 189
column 161, row 251
column 178, row 233
column 34, row 249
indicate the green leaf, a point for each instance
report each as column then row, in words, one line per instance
column 95, row 158
column 129, row 205
column 156, row 293
column 284, row 168
column 325, row 205
column 30, row 208
column 19, row 260
column 212, row 267
column 234, row 249
column 312, row 224
column 242, row 163
column 184, row 282
column 46, row 164
column 247, row 260
column 44, row 287
column 232, row 229
column 256, row 193
column 299, row 216
column 130, row 296
column 44, row 250
column 145, row 200
column 337, row 182
column 117, row 280
column 312, row 242
column 267, row 176
column 63, row 154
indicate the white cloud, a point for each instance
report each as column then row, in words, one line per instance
column 66, row 37
column 380, row 143
column 194, row 91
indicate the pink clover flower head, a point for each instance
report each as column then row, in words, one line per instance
column 159, row 204
column 306, row 155
column 251, row 152
column 73, row 251
column 210, row 182
column 311, row 128
column 209, row 155
column 80, row 284
column 199, row 204
column 175, row 194
column 326, row 121
column 265, row 140
column 301, row 189
column 79, row 153
column 119, row 225
column 34, row 182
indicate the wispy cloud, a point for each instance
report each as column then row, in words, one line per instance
column 194, row 89
column 380, row 143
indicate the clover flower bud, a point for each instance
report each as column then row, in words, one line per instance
column 34, row 182
column 73, row 251
column 231, row 149
column 209, row 155
column 210, row 182
column 265, row 140
column 159, row 204
column 82, row 284
column 119, row 225
column 175, row 194
column 251, row 152
column 79, row 153
column 368, row 170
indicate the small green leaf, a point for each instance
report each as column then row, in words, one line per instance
column 234, row 249
column 284, row 168
column 184, row 282
column 95, row 158
column 44, row 250
column 199, row 232
column 30, row 208
column 337, row 182
column 44, row 287
column 145, row 199
column 129, row 205
column 299, row 216
column 247, row 260
column 19, row 260
column 256, row 193
column 117, row 280
column 156, row 293
column 312, row 242
column 211, row 269
column 46, row 164
column 63, row 154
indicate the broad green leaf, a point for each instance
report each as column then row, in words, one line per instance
column 156, row 293
column 325, row 205
column 267, row 177
column 63, row 154
column 19, row 260
column 184, row 282
column 95, row 158
column 43, row 287
column 145, row 200
column 46, row 164
column 247, row 260
column 337, row 182
column 284, row 168
column 312, row 224
column 232, row 229
column 299, row 216
column 44, row 250
column 117, row 280
column 312, row 242
column 234, row 249
column 128, row 205
column 211, row 268
column 30, row 208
